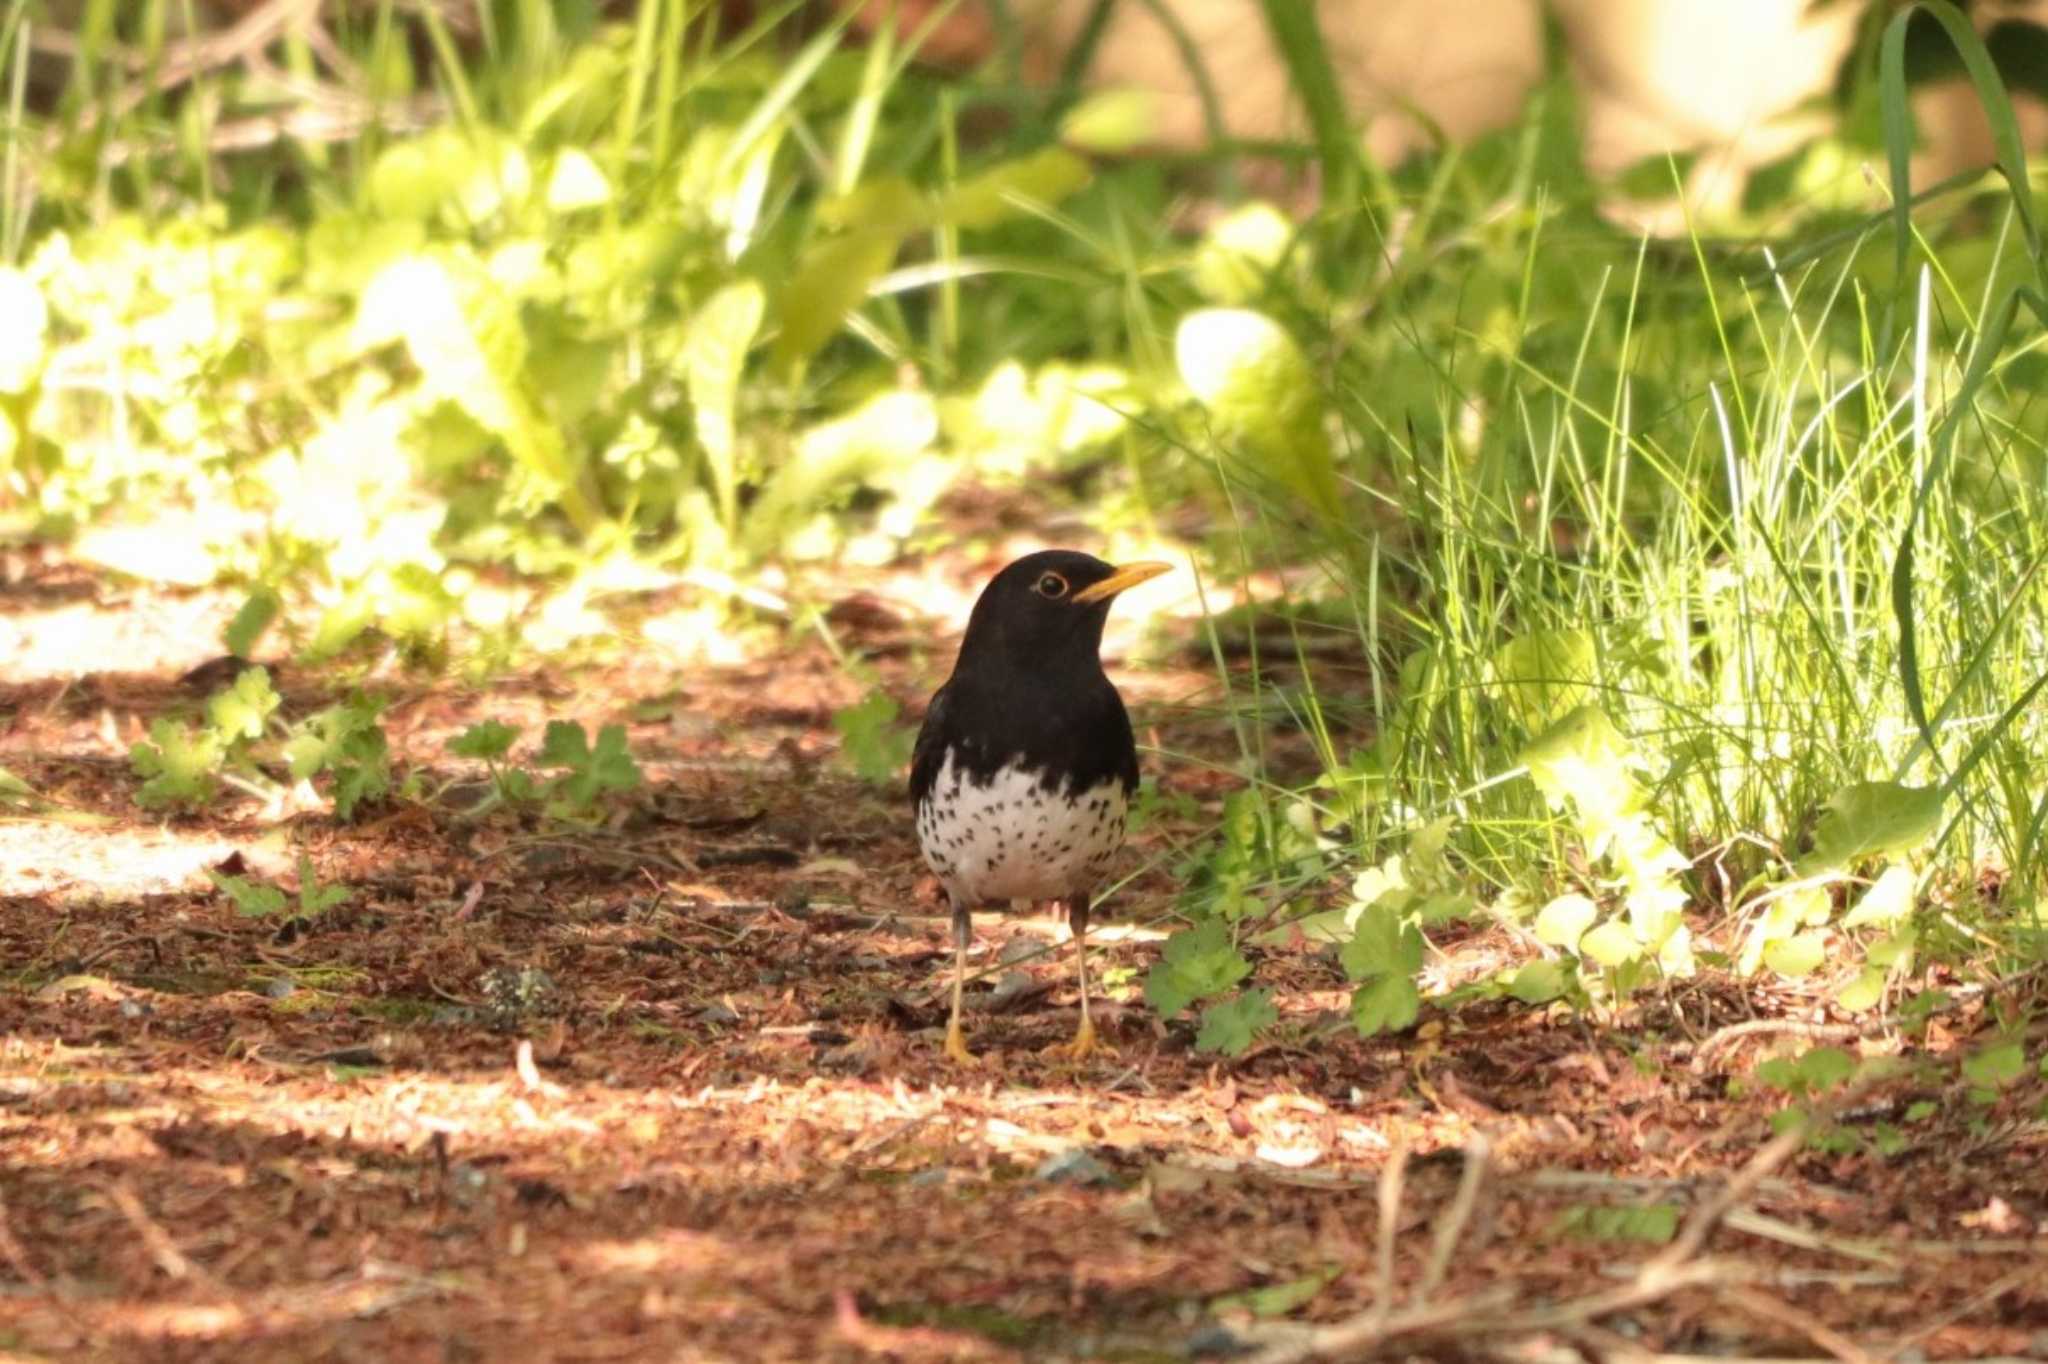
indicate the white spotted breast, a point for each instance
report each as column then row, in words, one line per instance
column 1010, row 837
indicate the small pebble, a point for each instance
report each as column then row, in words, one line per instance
column 1072, row 1166
column 279, row 988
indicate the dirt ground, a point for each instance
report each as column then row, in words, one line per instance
column 670, row 1087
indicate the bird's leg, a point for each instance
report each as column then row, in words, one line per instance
column 963, row 935
column 1084, row 1036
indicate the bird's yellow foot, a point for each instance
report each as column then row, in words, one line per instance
column 956, row 1047
column 1083, row 1045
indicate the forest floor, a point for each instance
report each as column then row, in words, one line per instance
column 716, row 1124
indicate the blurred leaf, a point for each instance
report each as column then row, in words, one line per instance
column 1544, row 675
column 1277, row 1300
column 1872, row 818
column 1610, row 944
column 180, row 766
column 488, row 740
column 714, row 359
column 1796, row 956
column 1264, row 400
column 1387, row 1004
column 1109, row 122
column 1382, row 944
column 240, row 712
column 1196, row 963
column 1539, row 982
column 1045, row 177
column 871, row 739
column 576, row 182
column 1996, row 1066
column 1563, row 921
column 1889, row 899
column 1229, row 1027
column 252, row 618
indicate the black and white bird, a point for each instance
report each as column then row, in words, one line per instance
column 1025, row 766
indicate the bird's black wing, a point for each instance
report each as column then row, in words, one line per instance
column 930, row 753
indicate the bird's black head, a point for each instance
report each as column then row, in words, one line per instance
column 1044, row 613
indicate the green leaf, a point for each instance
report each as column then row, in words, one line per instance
column 1864, row 992
column 1563, row 921
column 1889, row 900
column 180, row 766
column 1823, row 1068
column 1264, row 400
column 1996, row 1066
column 1238, row 254
column 1545, row 675
column 834, row 273
column 1610, row 944
column 593, row 769
column 252, row 899
column 992, row 197
column 254, row 616
column 315, row 898
column 487, row 740
column 1383, row 944
column 240, row 712
column 714, row 358
column 347, row 741
column 1654, row 1223
column 1539, row 982
column 1872, row 818
column 1796, row 956
column 871, row 739
column 1196, row 963
column 1387, row 1004
column 1112, row 121
column 1230, row 1026
column 1277, row 1300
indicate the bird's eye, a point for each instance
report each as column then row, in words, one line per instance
column 1050, row 585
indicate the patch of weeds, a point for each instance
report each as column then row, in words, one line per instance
column 592, row 770
column 259, row 899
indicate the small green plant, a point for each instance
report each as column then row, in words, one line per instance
column 592, row 771
column 870, row 739
column 260, row 899
column 347, row 743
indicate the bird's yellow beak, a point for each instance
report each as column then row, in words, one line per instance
column 1130, row 575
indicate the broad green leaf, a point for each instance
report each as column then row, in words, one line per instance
column 488, row 740
column 1796, row 956
column 1387, row 1004
column 714, row 358
column 871, row 739
column 1539, row 982
column 1889, row 899
column 1872, row 818
column 24, row 318
column 1044, row 177
column 1383, row 944
column 1583, row 759
column 1196, row 963
column 1863, row 993
column 1229, row 1027
column 240, row 712
column 1563, row 921
column 252, row 899
column 1823, row 1068
column 1996, row 1066
column 1609, row 944
column 1112, row 121
column 1239, row 253
column 1544, row 675
column 254, row 616
column 1264, row 400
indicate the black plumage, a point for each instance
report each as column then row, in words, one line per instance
column 1025, row 765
